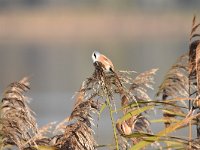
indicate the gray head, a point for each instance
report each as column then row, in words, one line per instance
column 95, row 56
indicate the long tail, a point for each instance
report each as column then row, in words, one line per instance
column 116, row 77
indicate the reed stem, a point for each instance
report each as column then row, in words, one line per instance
column 113, row 123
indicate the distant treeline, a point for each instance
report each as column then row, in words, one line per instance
column 181, row 4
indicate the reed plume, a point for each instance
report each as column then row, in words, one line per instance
column 18, row 124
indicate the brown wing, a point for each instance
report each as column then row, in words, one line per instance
column 107, row 62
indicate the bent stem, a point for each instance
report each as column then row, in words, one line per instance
column 113, row 122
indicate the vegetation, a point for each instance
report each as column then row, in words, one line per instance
column 177, row 97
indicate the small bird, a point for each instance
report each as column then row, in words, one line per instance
column 106, row 63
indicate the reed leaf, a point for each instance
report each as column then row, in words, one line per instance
column 164, row 132
column 134, row 113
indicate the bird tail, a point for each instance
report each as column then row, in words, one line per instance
column 116, row 76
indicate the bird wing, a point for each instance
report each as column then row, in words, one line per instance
column 107, row 61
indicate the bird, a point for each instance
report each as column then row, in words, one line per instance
column 106, row 63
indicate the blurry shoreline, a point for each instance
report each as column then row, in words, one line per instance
column 70, row 26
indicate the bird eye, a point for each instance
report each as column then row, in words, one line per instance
column 95, row 55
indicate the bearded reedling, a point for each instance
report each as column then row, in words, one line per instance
column 106, row 63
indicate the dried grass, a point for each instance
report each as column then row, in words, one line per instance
column 18, row 124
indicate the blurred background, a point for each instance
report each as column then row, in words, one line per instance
column 52, row 41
